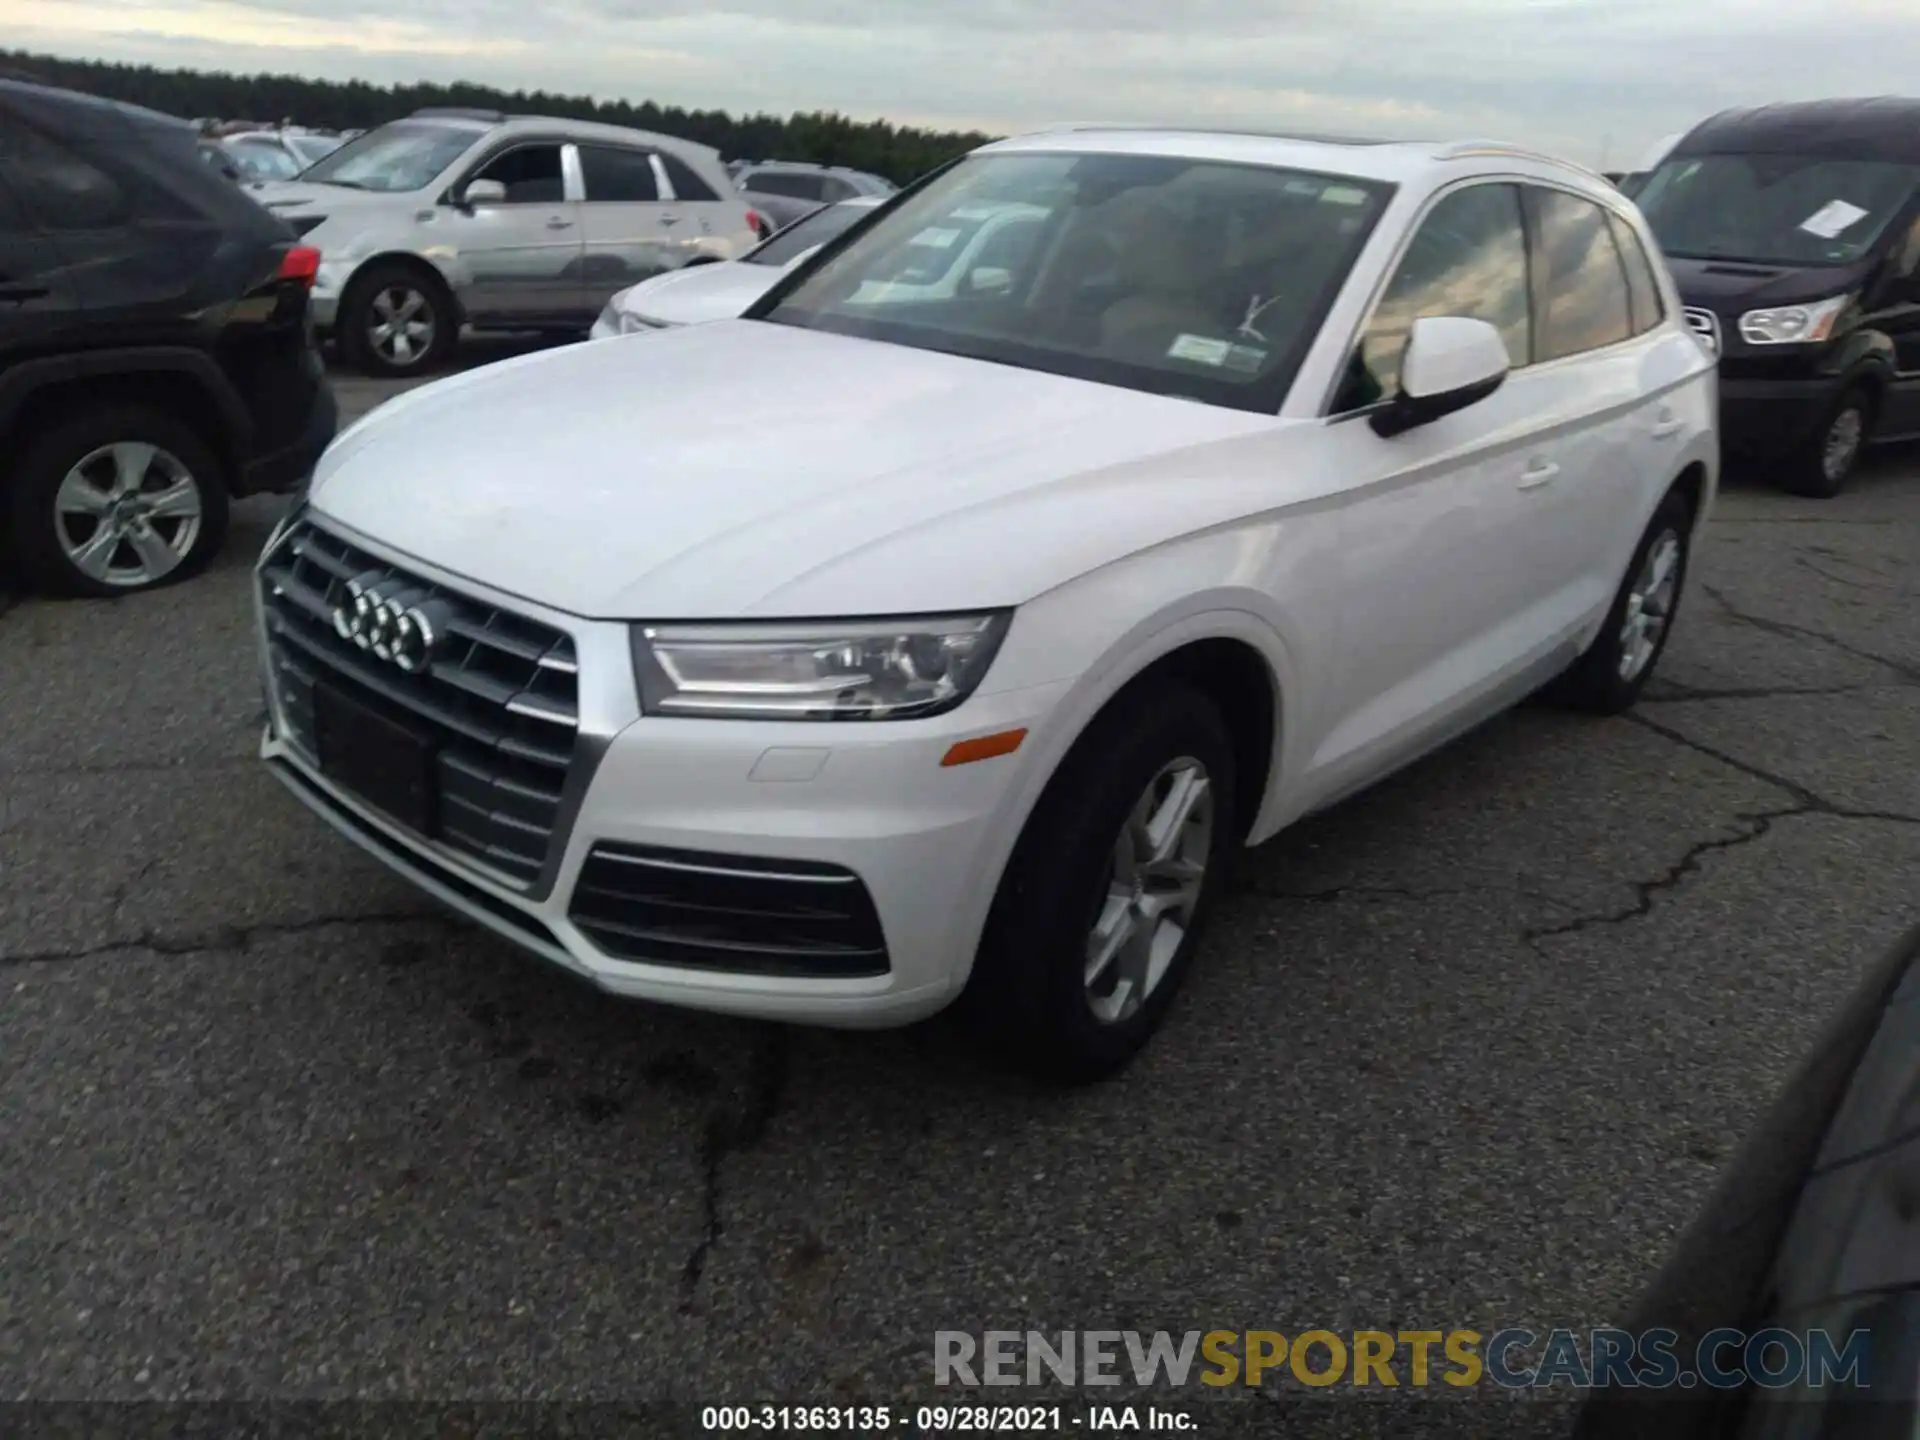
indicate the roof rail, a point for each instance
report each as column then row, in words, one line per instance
column 1303, row 137
column 1481, row 149
column 458, row 112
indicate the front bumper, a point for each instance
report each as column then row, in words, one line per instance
column 1763, row 419
column 927, row 842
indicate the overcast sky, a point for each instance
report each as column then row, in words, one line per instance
column 1593, row 79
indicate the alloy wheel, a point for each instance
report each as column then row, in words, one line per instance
column 1650, row 605
column 401, row 325
column 128, row 514
column 1154, row 878
column 1842, row 444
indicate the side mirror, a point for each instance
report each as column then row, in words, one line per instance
column 1450, row 363
column 481, row 192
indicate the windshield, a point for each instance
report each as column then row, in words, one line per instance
column 1773, row 209
column 1161, row 273
column 263, row 160
column 817, row 228
column 405, row 155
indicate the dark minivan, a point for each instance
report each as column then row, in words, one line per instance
column 157, row 357
column 1793, row 232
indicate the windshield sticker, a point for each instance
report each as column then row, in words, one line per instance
column 1199, row 349
column 1302, row 187
column 975, row 212
column 936, row 239
column 1831, row 218
column 1247, row 359
column 1343, row 195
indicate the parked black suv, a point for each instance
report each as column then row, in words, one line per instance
column 1793, row 232
column 156, row 356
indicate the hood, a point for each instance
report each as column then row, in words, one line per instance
column 291, row 197
column 749, row 469
column 1731, row 287
column 700, row 293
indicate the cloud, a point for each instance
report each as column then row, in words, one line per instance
column 1590, row 78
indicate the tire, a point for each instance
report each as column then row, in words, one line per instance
column 1601, row 681
column 1029, row 989
column 382, row 294
column 1822, row 467
column 112, row 466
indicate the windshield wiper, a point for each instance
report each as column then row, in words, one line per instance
column 343, row 184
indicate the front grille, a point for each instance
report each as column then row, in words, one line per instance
column 499, row 700
column 728, row 912
column 1705, row 326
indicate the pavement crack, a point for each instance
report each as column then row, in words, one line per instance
column 1755, row 825
column 734, row 1132
column 1787, row 630
column 225, row 938
column 1678, row 692
column 130, row 767
column 1882, row 584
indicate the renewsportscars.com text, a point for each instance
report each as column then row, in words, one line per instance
column 1600, row 1359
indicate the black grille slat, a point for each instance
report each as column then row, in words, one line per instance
column 720, row 912
column 500, row 698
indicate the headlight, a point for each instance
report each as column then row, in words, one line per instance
column 1792, row 324
column 815, row 670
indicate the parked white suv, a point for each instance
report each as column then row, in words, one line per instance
column 969, row 664
column 455, row 217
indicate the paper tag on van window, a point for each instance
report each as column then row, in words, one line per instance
column 1200, row 350
column 936, row 239
column 1247, row 359
column 1343, row 195
column 1831, row 218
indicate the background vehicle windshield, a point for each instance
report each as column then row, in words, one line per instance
column 1774, row 209
column 404, row 155
column 824, row 224
column 1162, row 273
column 263, row 160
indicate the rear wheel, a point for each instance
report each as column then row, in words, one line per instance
column 114, row 501
column 1104, row 899
column 395, row 322
column 1823, row 466
column 1609, row 677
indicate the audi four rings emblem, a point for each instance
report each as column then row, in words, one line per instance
column 398, row 624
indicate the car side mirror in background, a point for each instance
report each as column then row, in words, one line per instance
column 481, row 192
column 1451, row 362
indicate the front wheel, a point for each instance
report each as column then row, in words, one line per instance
column 1615, row 668
column 395, row 323
column 1824, row 465
column 1096, row 919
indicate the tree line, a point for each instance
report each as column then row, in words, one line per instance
column 899, row 152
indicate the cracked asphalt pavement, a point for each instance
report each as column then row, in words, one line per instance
column 1466, row 1051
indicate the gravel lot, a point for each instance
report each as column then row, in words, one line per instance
column 1467, row 1051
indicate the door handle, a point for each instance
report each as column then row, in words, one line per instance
column 669, row 219
column 1667, row 426
column 1538, row 473
column 556, row 223
column 23, row 291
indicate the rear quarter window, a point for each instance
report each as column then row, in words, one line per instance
column 686, row 181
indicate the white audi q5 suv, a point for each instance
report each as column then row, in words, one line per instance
column 898, row 642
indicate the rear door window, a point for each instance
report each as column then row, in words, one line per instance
column 1580, row 284
column 618, row 176
column 60, row 189
column 1643, row 291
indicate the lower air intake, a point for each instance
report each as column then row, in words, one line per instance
column 728, row 912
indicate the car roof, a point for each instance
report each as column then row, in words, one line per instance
column 574, row 129
column 1883, row 127
column 31, row 95
column 1396, row 162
